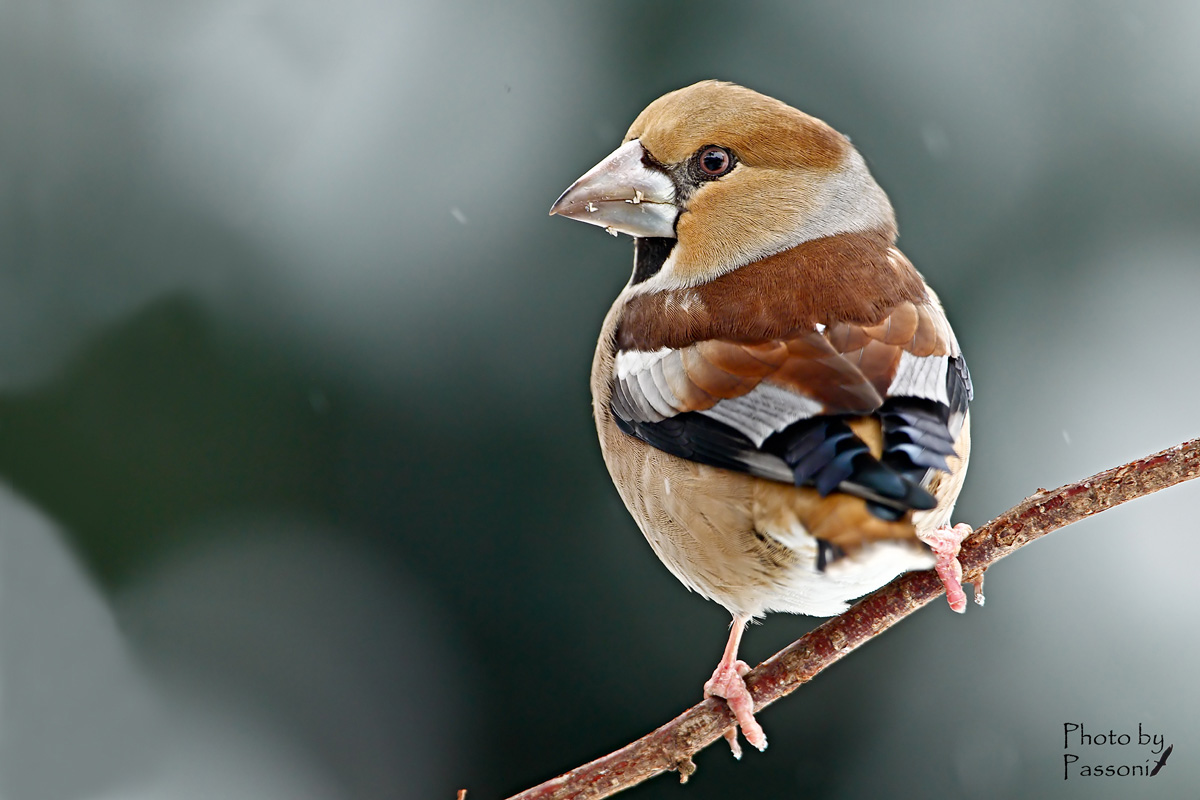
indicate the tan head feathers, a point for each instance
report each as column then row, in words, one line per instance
column 761, row 130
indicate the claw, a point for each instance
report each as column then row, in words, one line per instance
column 728, row 682
column 945, row 543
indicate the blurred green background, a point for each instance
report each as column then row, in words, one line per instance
column 303, row 498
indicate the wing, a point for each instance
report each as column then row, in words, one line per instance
column 870, row 410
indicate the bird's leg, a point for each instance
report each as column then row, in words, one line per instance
column 945, row 543
column 727, row 682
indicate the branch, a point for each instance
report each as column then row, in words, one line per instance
column 672, row 746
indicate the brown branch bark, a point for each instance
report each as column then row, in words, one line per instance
column 672, row 746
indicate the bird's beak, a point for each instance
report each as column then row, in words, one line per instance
column 624, row 195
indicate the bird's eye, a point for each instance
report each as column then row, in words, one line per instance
column 714, row 161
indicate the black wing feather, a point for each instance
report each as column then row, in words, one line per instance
column 823, row 452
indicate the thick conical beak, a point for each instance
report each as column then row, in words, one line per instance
column 622, row 194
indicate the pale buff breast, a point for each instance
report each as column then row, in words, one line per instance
column 698, row 519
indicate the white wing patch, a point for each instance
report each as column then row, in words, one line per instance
column 632, row 361
column 642, row 382
column 764, row 410
column 651, row 392
column 921, row 376
column 644, row 385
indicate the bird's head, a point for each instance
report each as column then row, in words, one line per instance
column 727, row 176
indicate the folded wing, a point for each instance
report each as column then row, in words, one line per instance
column 870, row 410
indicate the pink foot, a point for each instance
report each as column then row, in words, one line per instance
column 945, row 543
column 727, row 682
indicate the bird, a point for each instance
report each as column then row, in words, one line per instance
column 780, row 399
column 1162, row 761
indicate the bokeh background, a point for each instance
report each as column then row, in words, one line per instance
column 301, row 496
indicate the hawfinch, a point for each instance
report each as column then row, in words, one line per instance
column 780, row 399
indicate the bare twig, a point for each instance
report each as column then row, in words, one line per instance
column 672, row 746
